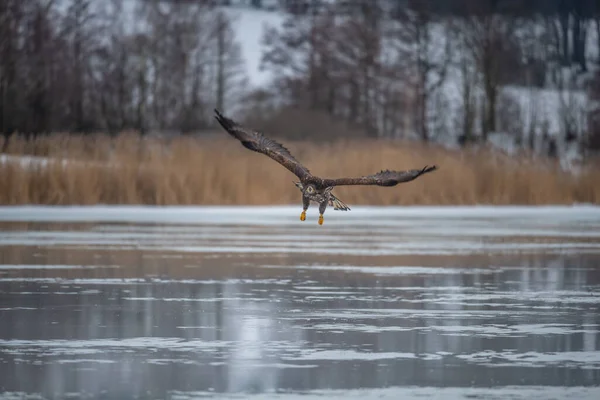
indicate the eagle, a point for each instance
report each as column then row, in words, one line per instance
column 314, row 189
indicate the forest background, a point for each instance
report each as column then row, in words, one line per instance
column 112, row 102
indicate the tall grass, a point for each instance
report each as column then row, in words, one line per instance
column 128, row 169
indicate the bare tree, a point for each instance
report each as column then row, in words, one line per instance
column 595, row 14
column 534, row 68
column 11, row 17
column 231, row 79
column 299, row 56
column 81, row 30
column 82, row 65
column 380, row 67
column 329, row 61
column 487, row 37
column 468, row 86
column 429, row 54
column 180, row 38
column 592, row 140
column 356, row 50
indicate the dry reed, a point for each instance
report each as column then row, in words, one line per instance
column 67, row 169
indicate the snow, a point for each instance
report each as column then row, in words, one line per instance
column 25, row 161
column 43, row 162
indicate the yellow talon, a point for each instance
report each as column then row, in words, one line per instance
column 321, row 219
column 303, row 216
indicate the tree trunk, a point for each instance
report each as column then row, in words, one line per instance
column 598, row 35
column 564, row 25
column 468, row 111
column 422, row 104
column 141, row 105
column 221, row 63
column 490, row 110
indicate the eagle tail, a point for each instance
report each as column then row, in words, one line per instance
column 338, row 204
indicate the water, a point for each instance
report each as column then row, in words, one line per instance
column 455, row 303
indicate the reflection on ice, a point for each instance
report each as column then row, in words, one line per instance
column 583, row 359
column 394, row 393
column 104, row 346
column 341, row 355
column 481, row 330
column 391, row 270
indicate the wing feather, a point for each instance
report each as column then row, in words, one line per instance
column 256, row 141
column 382, row 178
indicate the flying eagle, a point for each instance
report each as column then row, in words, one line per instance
column 313, row 188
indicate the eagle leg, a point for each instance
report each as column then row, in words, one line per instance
column 305, row 204
column 322, row 207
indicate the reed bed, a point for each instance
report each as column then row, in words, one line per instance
column 63, row 169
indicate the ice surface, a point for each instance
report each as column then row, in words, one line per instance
column 31, row 266
column 182, row 302
column 256, row 215
column 276, row 229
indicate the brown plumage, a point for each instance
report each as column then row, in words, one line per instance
column 312, row 187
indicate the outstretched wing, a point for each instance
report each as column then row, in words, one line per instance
column 256, row 141
column 383, row 178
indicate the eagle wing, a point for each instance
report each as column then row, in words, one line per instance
column 383, row 178
column 256, row 141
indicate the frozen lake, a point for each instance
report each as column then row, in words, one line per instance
column 249, row 302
